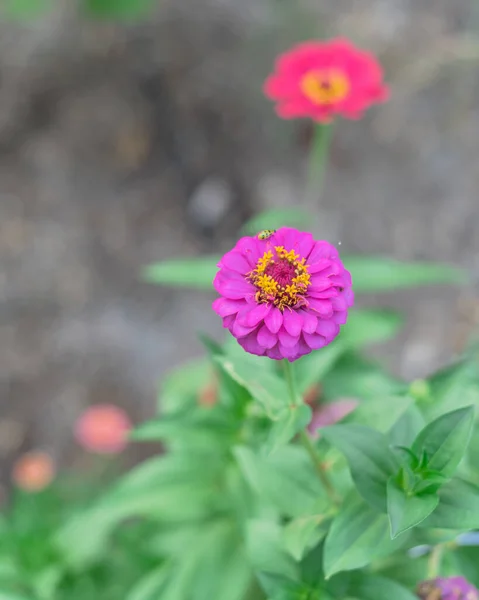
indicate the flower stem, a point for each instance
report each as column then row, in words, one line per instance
column 305, row 439
column 434, row 562
column 318, row 160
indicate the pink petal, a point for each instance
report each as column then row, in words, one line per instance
column 340, row 317
column 274, row 353
column 239, row 330
column 314, row 341
column 292, row 322
column 321, row 250
column 224, row 307
column 310, row 322
column 339, row 303
column 251, row 317
column 288, row 352
column 287, row 340
column 328, row 329
column 228, row 321
column 322, row 307
column 319, row 265
column 236, row 262
column 266, row 338
column 250, row 344
column 274, row 320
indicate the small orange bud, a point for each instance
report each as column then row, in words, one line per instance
column 33, row 471
column 208, row 396
column 312, row 394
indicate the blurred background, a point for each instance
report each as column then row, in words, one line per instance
column 128, row 142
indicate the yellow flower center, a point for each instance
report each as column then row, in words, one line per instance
column 325, row 86
column 281, row 278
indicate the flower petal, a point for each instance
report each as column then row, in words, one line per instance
column 314, row 340
column 328, row 329
column 322, row 307
column 236, row 262
column 266, row 338
column 292, row 322
column 287, row 340
column 251, row 345
column 310, row 321
column 224, row 307
column 251, row 317
column 274, row 320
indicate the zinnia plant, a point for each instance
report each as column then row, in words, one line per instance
column 292, row 466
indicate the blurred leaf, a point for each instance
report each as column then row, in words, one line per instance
column 186, row 272
column 372, row 274
column 370, row 460
column 354, row 376
column 370, row 326
column 357, row 535
column 263, row 541
column 118, row 8
column 407, row 427
column 453, row 387
column 285, row 479
column 364, row 586
column 276, row 218
column 303, row 533
column 311, row 369
column 384, row 412
column 24, row 9
column 407, row 510
column 5, row 595
column 444, row 441
column 181, row 387
column 292, row 420
column 150, row 585
column 458, row 507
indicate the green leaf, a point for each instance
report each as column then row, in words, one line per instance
column 458, row 507
column 376, row 274
column 444, row 441
column 407, row 427
column 286, row 479
column 276, row 218
column 357, row 535
column 370, row 326
column 4, row 595
column 21, row 9
column 364, row 586
column 354, row 376
column 188, row 272
column 292, row 420
column 149, row 586
column 267, row 389
column 181, row 387
column 370, row 460
column 453, row 387
column 313, row 367
column 384, row 412
column 407, row 510
column 301, row 534
column 118, row 8
column 263, row 542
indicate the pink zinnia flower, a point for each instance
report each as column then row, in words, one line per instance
column 447, row 588
column 320, row 80
column 103, row 429
column 284, row 295
column 33, row 471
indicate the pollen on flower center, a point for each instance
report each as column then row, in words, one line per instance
column 281, row 278
column 325, row 86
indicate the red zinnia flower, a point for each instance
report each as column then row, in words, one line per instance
column 323, row 79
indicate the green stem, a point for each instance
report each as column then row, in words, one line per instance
column 318, row 160
column 434, row 562
column 305, row 439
